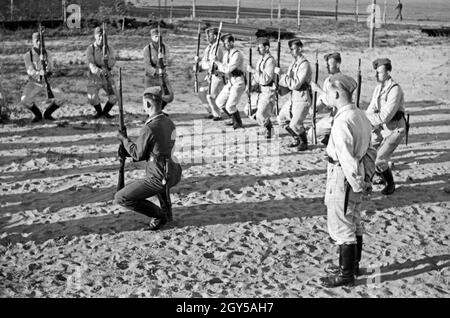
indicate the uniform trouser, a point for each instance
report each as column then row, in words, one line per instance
column 343, row 207
column 231, row 94
column 95, row 83
column 265, row 101
column 33, row 90
column 386, row 145
column 134, row 195
column 295, row 110
column 323, row 129
column 210, row 100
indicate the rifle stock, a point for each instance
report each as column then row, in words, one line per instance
column 277, row 78
column 43, row 54
column 316, row 78
column 358, row 88
column 249, row 92
column 215, row 54
column 105, row 51
column 121, row 179
column 196, row 64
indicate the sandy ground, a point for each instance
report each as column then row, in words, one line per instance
column 249, row 215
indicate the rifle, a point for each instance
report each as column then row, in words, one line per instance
column 249, row 93
column 196, row 64
column 123, row 130
column 211, row 69
column 316, row 78
column 277, row 78
column 161, row 66
column 105, row 51
column 407, row 129
column 358, row 88
column 43, row 57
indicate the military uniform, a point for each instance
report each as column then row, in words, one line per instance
column 232, row 66
column 217, row 79
column 36, row 85
column 386, row 113
column 346, row 180
column 97, row 78
column 294, row 111
column 154, row 145
column 263, row 77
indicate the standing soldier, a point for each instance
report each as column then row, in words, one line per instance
column 155, row 145
column 297, row 81
column 232, row 66
column 346, row 178
column 217, row 79
column 153, row 72
column 263, row 76
column 323, row 127
column 99, row 76
column 386, row 113
column 36, row 82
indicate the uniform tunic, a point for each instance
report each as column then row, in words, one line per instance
column 386, row 114
column 264, row 76
column 297, row 80
column 349, row 142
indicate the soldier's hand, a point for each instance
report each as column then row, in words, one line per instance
column 42, row 57
column 160, row 55
column 196, row 59
column 314, row 86
column 122, row 152
column 121, row 136
column 277, row 70
column 41, row 72
column 250, row 69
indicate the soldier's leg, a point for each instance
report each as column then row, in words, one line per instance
column 202, row 92
column 299, row 112
column 221, row 101
column 93, row 89
column 264, row 112
column 236, row 91
column 54, row 103
column 216, row 87
column 27, row 99
column 111, row 91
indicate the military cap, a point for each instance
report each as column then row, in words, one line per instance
column 345, row 81
column 154, row 31
column 296, row 41
column 98, row 30
column 263, row 41
column 35, row 36
column 335, row 55
column 153, row 92
column 382, row 61
column 227, row 36
column 212, row 30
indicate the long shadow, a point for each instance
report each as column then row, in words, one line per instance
column 407, row 269
column 428, row 112
column 428, row 137
column 432, row 123
column 442, row 157
column 423, row 104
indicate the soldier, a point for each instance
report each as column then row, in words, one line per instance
column 232, row 66
column 263, row 76
column 154, row 74
column 99, row 76
column 346, row 177
column 386, row 113
column 154, row 145
column 217, row 79
column 323, row 127
column 36, row 84
column 297, row 81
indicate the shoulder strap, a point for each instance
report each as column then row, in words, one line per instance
column 31, row 56
column 152, row 63
column 387, row 93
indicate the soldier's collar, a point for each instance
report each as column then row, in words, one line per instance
column 344, row 109
column 158, row 114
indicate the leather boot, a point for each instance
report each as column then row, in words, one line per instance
column 37, row 113
column 269, row 127
column 359, row 244
column 296, row 141
column 378, row 178
column 98, row 109
column 49, row 111
column 237, row 120
column 228, row 122
column 390, row 186
column 346, row 275
column 303, row 142
column 162, row 197
column 106, row 110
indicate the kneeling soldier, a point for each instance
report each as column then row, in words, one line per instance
column 154, row 145
column 346, row 177
column 386, row 113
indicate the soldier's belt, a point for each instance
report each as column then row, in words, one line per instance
column 332, row 161
column 399, row 115
column 236, row 73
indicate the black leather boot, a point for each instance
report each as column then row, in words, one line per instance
column 98, row 109
column 49, row 111
column 378, row 178
column 296, row 137
column 303, row 142
column 106, row 110
column 269, row 127
column 237, row 120
column 390, row 186
column 359, row 244
column 162, row 197
column 37, row 113
column 346, row 275
column 228, row 122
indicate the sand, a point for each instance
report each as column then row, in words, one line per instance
column 249, row 215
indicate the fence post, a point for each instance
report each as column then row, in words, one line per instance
column 372, row 25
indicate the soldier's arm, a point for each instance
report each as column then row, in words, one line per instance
column 302, row 75
column 139, row 149
column 91, row 61
column 50, row 66
column 111, row 57
column 388, row 109
column 235, row 61
column 31, row 70
column 267, row 75
column 344, row 142
column 167, row 59
column 147, row 66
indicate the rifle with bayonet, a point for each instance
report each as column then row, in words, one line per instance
column 161, row 66
column 105, row 52
column 43, row 58
column 196, row 64
column 249, row 80
column 213, row 65
column 123, row 130
column 314, row 102
column 277, row 78
column 358, row 88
